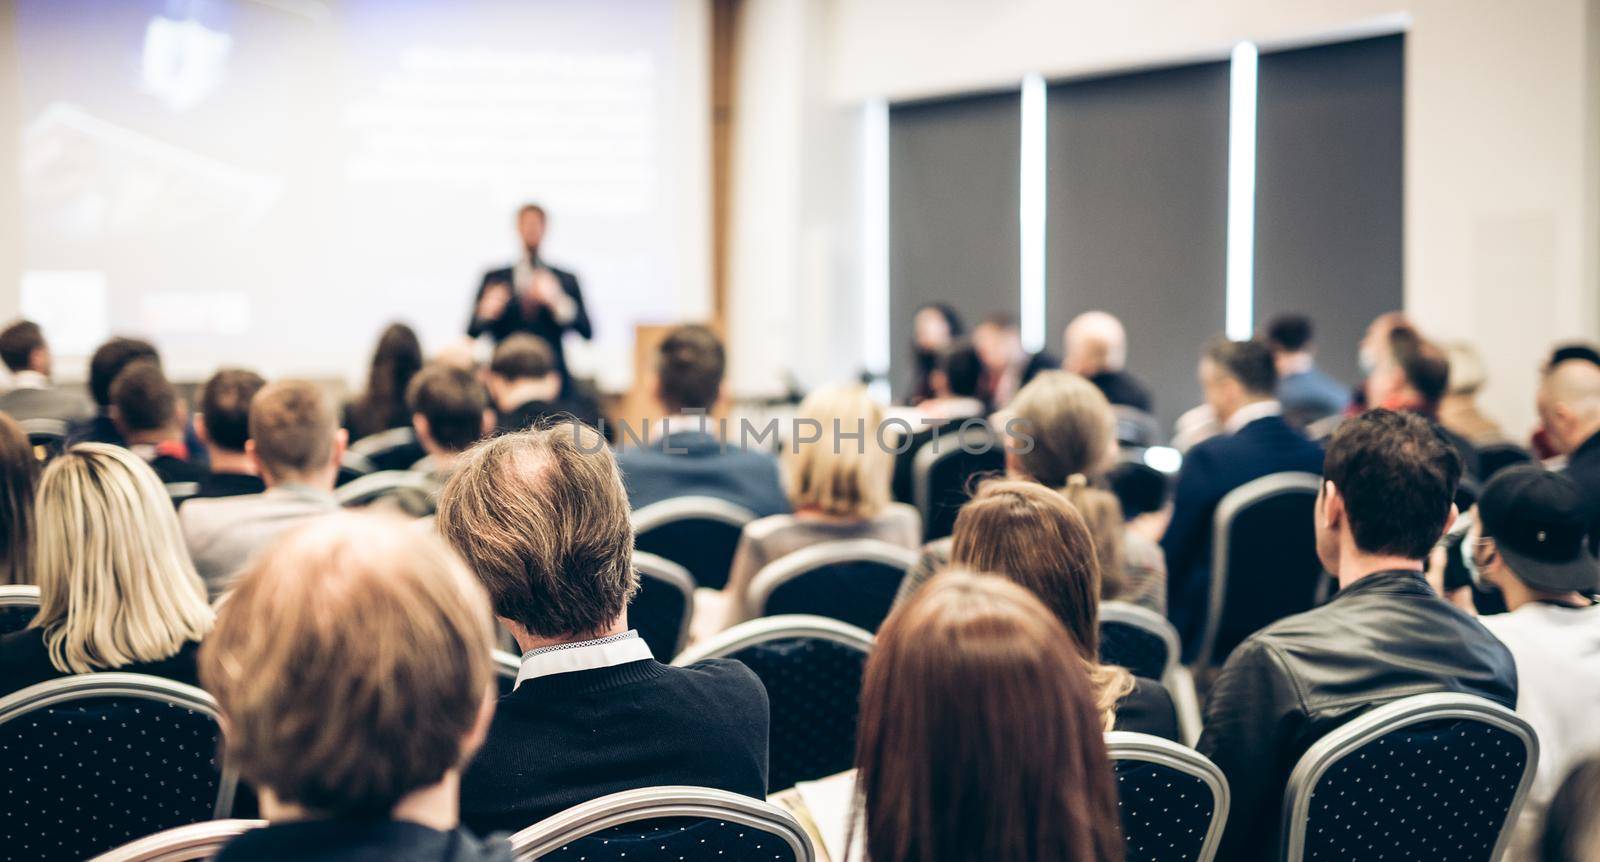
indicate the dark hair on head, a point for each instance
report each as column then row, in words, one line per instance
column 144, row 398
column 453, row 402
column 1571, row 830
column 1425, row 365
column 1398, row 475
column 1290, row 333
column 19, row 476
column 1249, row 362
column 690, row 364
column 225, row 406
column 952, row 318
column 18, row 342
column 383, row 405
column 522, row 357
column 1000, row 320
column 962, row 369
column 110, row 358
column 1576, row 350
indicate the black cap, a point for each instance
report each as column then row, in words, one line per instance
column 1540, row 521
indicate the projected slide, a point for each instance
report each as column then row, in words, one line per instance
column 269, row 182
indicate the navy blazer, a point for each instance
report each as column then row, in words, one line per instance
column 542, row 324
column 1210, row 470
column 698, row 465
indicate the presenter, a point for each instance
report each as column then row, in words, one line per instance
column 531, row 296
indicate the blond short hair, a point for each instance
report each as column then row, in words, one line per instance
column 293, row 425
column 351, row 663
column 116, row 586
column 841, row 474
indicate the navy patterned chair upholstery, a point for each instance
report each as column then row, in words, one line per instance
column 1142, row 641
column 664, row 606
column 944, row 470
column 1173, row 801
column 852, row 581
column 96, row 760
column 1431, row 778
column 698, row 533
column 18, row 604
column 197, row 841
column 811, row 667
column 666, row 824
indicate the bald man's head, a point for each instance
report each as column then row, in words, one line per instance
column 1569, row 403
column 1096, row 342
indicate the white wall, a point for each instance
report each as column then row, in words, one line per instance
column 1502, row 213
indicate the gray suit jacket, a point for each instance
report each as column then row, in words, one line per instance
column 52, row 402
column 224, row 533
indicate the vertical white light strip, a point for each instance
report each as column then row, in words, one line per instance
column 1031, row 213
column 875, row 244
column 1240, row 314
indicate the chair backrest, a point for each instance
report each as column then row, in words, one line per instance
column 854, row 581
column 386, row 483
column 140, row 751
column 1136, row 428
column 811, row 667
column 1173, row 801
column 48, row 437
column 1497, row 456
column 666, row 823
column 353, row 466
column 1264, row 563
column 1138, row 639
column 943, row 469
column 663, row 608
column 698, row 533
column 181, row 843
column 18, row 605
column 394, row 449
column 181, row 491
column 1435, row 776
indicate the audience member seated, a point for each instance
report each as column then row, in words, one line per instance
column 223, row 424
column 1386, row 498
column 295, row 443
column 542, row 519
column 116, row 590
column 1373, row 351
column 952, row 400
column 1569, row 410
column 838, row 486
column 1458, row 410
column 684, row 459
column 19, row 475
column 1306, row 392
column 1239, row 379
column 150, row 417
column 1097, row 349
column 32, row 395
column 1007, row 367
column 382, row 405
column 1571, row 831
column 525, row 384
column 1061, row 433
column 934, row 328
column 107, row 362
column 1413, row 375
column 980, row 739
column 351, row 666
column 450, row 412
column 1529, row 544
column 1030, row 534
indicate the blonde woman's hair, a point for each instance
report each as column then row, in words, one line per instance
column 116, row 586
column 1073, row 431
column 847, row 472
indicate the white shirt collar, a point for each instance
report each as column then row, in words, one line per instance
column 1250, row 413
column 29, row 379
column 583, row 655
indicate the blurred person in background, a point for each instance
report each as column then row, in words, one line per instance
column 1305, row 391
column 1097, row 349
column 1412, row 376
column 954, row 388
column 526, row 386
column 934, row 327
column 1007, row 366
column 151, row 419
column 19, row 475
column 1458, row 410
column 531, row 296
column 382, row 405
column 107, row 362
column 223, row 424
column 450, row 412
column 32, row 395
column 1569, row 411
column 1571, row 831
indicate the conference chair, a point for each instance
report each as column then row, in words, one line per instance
column 1145, row 643
column 662, row 823
column 1436, row 776
column 413, row 493
column 1264, row 563
column 196, row 841
column 506, row 668
column 1322, row 429
column 944, row 470
column 96, row 760
column 663, row 608
column 811, row 667
column 854, row 581
column 1497, row 456
column 394, row 449
column 48, row 437
column 353, row 466
column 182, row 491
column 1136, row 428
column 18, row 605
column 698, row 533
column 1173, row 801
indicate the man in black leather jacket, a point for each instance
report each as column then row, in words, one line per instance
column 1387, row 491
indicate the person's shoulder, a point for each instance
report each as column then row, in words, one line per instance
column 729, row 676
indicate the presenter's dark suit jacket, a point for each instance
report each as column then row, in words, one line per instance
column 695, row 464
column 1210, row 470
column 542, row 323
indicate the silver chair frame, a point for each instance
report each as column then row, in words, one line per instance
column 1122, row 745
column 965, row 437
column 792, row 565
column 767, row 629
column 357, row 463
column 671, row 574
column 1362, row 730
column 19, row 596
column 196, row 841
column 392, row 438
column 665, row 512
column 1178, row 680
column 1248, row 494
column 364, row 490
column 652, row 803
column 46, row 426
column 115, row 684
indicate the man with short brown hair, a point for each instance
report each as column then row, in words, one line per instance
column 223, row 425
column 542, row 518
column 526, row 386
column 351, row 666
column 151, row 418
